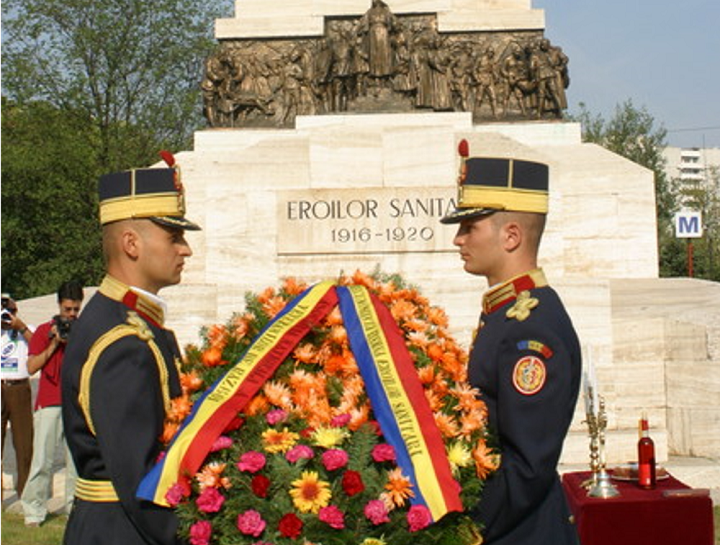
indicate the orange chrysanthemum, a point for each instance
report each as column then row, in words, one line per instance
column 338, row 335
column 211, row 476
column 292, row 286
column 217, row 336
column 486, row 461
column 398, row 488
column 190, row 382
column 437, row 316
column 305, row 353
column 267, row 294
column 273, row 306
column 278, row 394
column 447, row 425
column 435, row 352
column 257, row 405
column 169, row 430
column 212, row 357
column 334, row 318
column 403, row 310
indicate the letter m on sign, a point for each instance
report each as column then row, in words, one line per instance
column 688, row 225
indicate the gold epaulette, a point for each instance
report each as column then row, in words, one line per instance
column 134, row 326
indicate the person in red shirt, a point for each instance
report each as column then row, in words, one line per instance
column 47, row 349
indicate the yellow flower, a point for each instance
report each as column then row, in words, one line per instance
column 309, row 493
column 279, row 441
column 459, row 456
column 372, row 541
column 329, row 437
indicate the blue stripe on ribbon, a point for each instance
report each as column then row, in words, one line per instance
column 375, row 390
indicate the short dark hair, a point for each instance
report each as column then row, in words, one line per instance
column 72, row 290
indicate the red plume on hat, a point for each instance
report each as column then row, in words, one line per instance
column 464, row 148
column 463, row 151
column 168, row 157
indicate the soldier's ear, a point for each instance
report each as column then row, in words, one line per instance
column 512, row 235
column 131, row 241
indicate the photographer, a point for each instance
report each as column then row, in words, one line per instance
column 47, row 348
column 16, row 393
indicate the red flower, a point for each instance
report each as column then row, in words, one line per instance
column 352, row 483
column 290, row 526
column 260, row 485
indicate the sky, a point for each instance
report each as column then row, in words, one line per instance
column 664, row 55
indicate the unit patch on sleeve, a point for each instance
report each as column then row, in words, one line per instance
column 529, row 375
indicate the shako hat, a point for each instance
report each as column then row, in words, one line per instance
column 491, row 184
column 153, row 193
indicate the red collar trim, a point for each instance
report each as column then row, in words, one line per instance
column 508, row 291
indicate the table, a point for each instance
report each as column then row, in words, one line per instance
column 640, row 517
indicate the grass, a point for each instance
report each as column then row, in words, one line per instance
column 50, row 533
column 14, row 531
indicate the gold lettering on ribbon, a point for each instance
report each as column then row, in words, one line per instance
column 385, row 365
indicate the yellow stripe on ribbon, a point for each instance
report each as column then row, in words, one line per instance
column 229, row 384
column 402, row 407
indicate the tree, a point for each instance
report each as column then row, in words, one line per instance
column 130, row 67
column 632, row 133
column 49, row 202
column 704, row 197
column 89, row 88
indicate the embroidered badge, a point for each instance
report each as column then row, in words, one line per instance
column 529, row 375
column 522, row 307
column 535, row 346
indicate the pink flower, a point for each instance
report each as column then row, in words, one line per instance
column 334, row 459
column 376, row 512
column 298, row 452
column 210, row 500
column 200, row 533
column 220, row 443
column 251, row 523
column 383, row 453
column 418, row 517
column 340, row 420
column 332, row 516
column 252, row 461
column 275, row 416
column 175, row 494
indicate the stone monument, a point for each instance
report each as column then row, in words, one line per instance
column 332, row 147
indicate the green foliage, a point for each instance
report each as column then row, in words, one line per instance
column 89, row 88
column 133, row 67
column 49, row 171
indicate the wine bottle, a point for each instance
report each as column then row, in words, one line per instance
column 646, row 456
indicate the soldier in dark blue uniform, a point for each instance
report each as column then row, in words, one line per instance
column 525, row 357
column 121, row 363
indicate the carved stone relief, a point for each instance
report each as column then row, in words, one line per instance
column 381, row 62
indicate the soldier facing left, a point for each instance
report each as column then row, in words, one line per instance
column 122, row 362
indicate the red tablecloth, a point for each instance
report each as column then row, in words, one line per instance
column 639, row 517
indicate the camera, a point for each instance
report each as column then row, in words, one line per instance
column 62, row 325
column 6, row 316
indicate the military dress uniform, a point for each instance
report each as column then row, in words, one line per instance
column 526, row 362
column 120, row 374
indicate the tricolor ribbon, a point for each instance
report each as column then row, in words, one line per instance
column 396, row 395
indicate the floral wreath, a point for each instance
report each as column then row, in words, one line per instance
column 306, row 461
